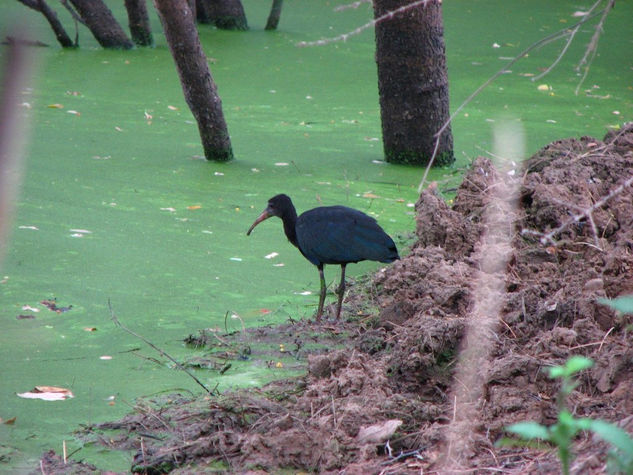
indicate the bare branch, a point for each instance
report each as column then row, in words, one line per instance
column 548, row 238
column 576, row 218
column 362, row 28
column 160, row 351
column 554, row 36
column 73, row 12
column 570, row 39
column 592, row 48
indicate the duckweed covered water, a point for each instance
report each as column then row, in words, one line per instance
column 117, row 204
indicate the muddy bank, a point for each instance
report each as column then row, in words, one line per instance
column 382, row 401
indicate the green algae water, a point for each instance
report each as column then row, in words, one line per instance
column 118, row 207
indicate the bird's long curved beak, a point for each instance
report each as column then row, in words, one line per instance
column 265, row 215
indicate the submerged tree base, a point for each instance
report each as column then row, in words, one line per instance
column 406, row 157
column 219, row 155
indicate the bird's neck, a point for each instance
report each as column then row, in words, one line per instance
column 290, row 225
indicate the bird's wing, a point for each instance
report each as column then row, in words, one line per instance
column 337, row 235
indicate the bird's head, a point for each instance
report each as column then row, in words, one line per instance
column 278, row 205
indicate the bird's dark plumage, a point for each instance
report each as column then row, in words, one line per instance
column 331, row 235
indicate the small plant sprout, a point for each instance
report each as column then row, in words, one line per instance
column 567, row 427
column 622, row 304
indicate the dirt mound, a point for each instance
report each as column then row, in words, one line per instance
column 384, row 402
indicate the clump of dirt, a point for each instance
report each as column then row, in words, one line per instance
column 383, row 402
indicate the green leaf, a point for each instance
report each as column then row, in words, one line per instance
column 529, row 430
column 572, row 366
column 557, row 372
column 584, row 423
column 621, row 304
column 578, row 363
column 616, row 436
column 565, row 418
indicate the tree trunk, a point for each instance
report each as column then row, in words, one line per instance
column 412, row 82
column 275, row 14
column 197, row 84
column 226, row 14
column 99, row 19
column 50, row 15
column 139, row 22
column 203, row 11
column 193, row 6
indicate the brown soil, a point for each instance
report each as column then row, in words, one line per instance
column 382, row 403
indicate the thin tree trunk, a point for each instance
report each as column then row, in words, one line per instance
column 50, row 15
column 412, row 82
column 226, row 14
column 139, row 22
column 275, row 14
column 197, row 84
column 101, row 22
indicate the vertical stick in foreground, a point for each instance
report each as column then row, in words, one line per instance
column 489, row 295
column 16, row 74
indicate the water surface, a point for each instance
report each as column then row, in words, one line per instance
column 118, row 205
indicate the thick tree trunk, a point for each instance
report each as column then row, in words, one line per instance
column 139, row 22
column 50, row 15
column 203, row 11
column 275, row 14
column 197, row 84
column 193, row 7
column 99, row 19
column 225, row 14
column 412, row 82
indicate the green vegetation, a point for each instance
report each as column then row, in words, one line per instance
column 622, row 304
column 563, row 432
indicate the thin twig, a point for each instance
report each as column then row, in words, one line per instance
column 572, row 34
column 160, row 351
column 505, row 69
column 73, row 12
column 549, row 237
column 362, row 28
column 592, row 47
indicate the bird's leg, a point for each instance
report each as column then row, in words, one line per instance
column 322, row 295
column 340, row 291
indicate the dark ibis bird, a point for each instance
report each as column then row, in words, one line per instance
column 331, row 235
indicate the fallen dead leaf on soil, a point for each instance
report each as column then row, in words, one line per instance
column 378, row 433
